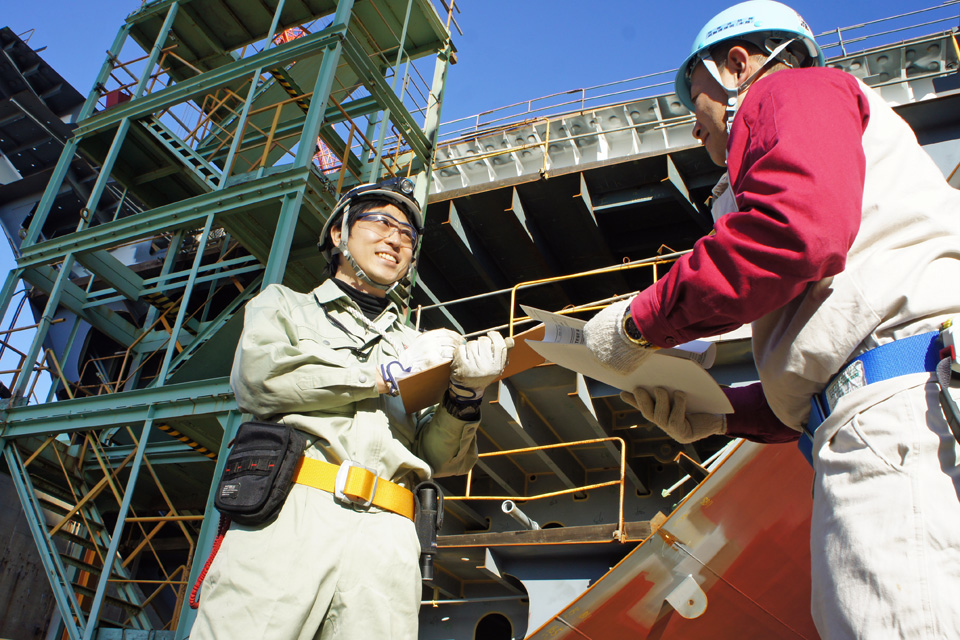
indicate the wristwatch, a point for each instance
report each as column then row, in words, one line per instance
column 632, row 332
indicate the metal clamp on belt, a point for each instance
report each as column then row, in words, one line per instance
column 916, row 354
column 353, row 483
column 356, row 496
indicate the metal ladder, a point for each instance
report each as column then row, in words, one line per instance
column 72, row 549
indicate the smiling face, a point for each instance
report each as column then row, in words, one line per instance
column 384, row 259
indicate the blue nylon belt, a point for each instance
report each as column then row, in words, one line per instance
column 916, row 354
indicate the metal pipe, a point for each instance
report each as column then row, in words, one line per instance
column 510, row 508
column 434, row 603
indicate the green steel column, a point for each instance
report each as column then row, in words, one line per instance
column 211, row 521
column 251, row 93
column 374, row 173
column 157, row 48
column 53, row 565
column 168, row 262
column 290, row 209
column 241, row 124
column 70, row 149
column 111, row 555
column 182, row 311
column 8, row 290
column 321, row 90
column 367, row 154
column 431, row 129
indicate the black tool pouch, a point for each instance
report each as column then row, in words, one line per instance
column 259, row 472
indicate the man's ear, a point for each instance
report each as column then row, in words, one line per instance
column 738, row 62
column 335, row 234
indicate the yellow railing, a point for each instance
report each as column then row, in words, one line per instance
column 620, row 482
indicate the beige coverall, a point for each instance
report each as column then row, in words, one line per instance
column 324, row 569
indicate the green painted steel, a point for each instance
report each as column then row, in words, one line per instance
column 230, row 422
column 170, row 361
column 203, row 398
column 202, row 84
column 182, row 311
column 66, row 599
column 111, row 555
column 181, row 215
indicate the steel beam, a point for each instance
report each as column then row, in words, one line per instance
column 473, row 251
column 536, row 237
column 157, row 452
column 118, row 275
column 204, row 83
column 74, row 299
column 377, row 86
column 434, row 300
column 682, row 195
column 181, row 215
column 205, row 397
column 533, row 432
column 584, row 404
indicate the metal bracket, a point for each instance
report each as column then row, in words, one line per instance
column 688, row 599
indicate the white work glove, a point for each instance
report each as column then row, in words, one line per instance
column 476, row 364
column 673, row 417
column 427, row 350
column 605, row 338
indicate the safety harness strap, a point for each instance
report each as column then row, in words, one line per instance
column 355, row 484
column 916, row 354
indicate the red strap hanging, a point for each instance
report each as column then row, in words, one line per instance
column 221, row 531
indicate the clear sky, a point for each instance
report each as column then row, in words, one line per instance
column 511, row 50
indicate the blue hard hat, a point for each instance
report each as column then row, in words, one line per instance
column 764, row 23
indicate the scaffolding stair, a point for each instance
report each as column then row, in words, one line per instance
column 72, row 540
column 205, row 171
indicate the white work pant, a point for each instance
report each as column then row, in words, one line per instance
column 320, row 570
column 885, row 536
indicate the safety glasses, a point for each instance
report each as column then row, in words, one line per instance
column 384, row 225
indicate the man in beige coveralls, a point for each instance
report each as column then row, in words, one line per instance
column 328, row 566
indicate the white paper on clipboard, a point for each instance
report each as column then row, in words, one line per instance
column 677, row 369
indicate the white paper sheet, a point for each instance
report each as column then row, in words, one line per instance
column 677, row 369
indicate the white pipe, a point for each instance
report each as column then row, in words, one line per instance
column 511, row 509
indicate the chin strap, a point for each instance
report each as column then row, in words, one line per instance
column 342, row 249
column 733, row 93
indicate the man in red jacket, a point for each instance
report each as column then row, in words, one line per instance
column 841, row 248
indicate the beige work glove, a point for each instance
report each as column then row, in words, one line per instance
column 476, row 364
column 427, row 350
column 604, row 336
column 672, row 417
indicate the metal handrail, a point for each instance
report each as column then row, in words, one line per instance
column 460, row 127
column 621, row 482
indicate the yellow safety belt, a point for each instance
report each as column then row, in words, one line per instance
column 357, row 484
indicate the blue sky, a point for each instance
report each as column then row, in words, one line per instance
column 511, row 50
